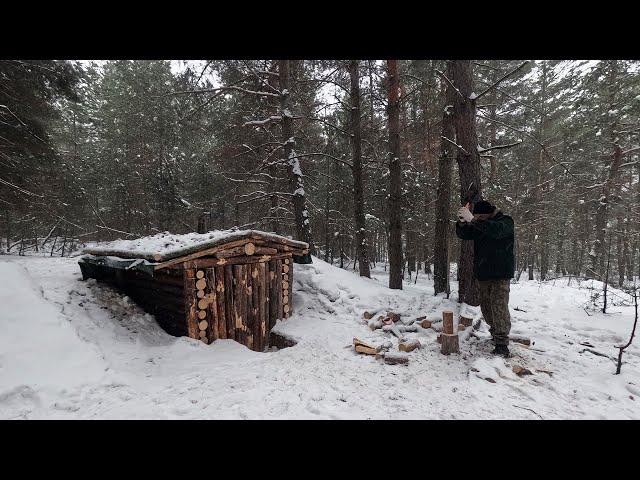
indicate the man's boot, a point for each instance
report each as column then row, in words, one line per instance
column 502, row 350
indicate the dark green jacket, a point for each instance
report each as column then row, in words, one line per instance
column 492, row 246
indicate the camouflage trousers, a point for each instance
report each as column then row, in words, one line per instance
column 494, row 303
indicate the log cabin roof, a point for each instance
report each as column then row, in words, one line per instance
column 163, row 247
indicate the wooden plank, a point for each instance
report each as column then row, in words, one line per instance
column 277, row 294
column 228, row 302
column 250, row 316
column 217, row 262
column 190, row 303
column 264, row 306
column 240, row 302
column 212, row 311
column 220, row 307
column 257, row 277
column 201, row 253
column 272, row 294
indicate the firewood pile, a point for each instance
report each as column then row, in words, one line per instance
column 449, row 335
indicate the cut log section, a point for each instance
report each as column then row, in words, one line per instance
column 200, row 294
column 394, row 316
column 202, row 314
column 409, row 346
column 396, row 358
column 200, row 274
column 203, row 303
column 285, row 268
column 425, row 323
column 200, row 284
column 466, row 321
column 203, row 325
column 450, row 343
column 365, row 350
column 447, row 322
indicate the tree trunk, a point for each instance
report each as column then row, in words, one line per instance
column 362, row 249
column 301, row 214
column 468, row 160
column 395, row 174
column 441, row 242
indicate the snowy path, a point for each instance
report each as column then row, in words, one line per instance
column 73, row 349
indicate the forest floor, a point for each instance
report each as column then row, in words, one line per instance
column 71, row 349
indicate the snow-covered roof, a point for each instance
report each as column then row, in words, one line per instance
column 166, row 246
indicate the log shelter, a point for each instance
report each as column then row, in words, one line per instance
column 218, row 285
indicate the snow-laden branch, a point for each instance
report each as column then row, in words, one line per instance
column 500, row 80
column 499, row 147
column 266, row 121
column 449, row 82
column 226, row 89
column 454, row 144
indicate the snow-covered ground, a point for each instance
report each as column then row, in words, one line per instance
column 74, row 349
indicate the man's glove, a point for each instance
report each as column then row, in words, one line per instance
column 464, row 215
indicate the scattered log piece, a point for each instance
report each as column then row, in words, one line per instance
column 407, row 328
column 447, row 322
column 367, row 314
column 365, row 350
column 394, row 316
column 449, row 343
column 521, row 371
column 409, row 346
column 426, row 323
column 396, row 358
column 363, row 347
column 374, row 324
column 522, row 340
column 466, row 321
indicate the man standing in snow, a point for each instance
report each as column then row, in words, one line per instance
column 493, row 235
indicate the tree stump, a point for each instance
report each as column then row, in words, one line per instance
column 447, row 322
column 449, row 343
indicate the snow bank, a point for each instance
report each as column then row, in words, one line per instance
column 41, row 353
column 73, row 349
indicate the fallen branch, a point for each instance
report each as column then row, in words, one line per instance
column 633, row 332
column 532, row 411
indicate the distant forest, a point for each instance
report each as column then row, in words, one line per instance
column 366, row 160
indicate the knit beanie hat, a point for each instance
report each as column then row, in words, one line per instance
column 483, row 207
